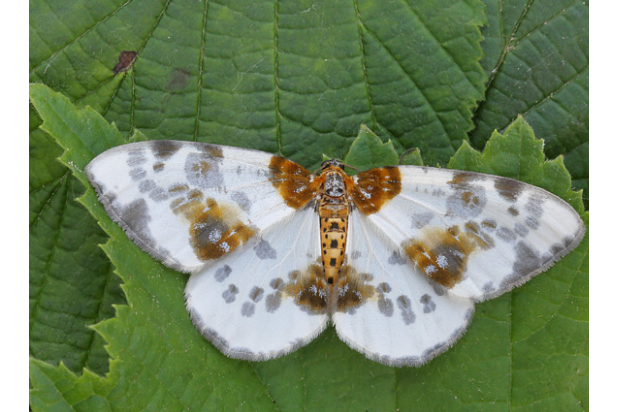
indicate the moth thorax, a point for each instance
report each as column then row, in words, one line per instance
column 333, row 185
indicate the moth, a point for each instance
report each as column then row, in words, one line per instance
column 394, row 257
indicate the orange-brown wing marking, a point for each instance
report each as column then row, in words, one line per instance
column 215, row 229
column 296, row 185
column 442, row 255
column 352, row 289
column 309, row 289
column 375, row 187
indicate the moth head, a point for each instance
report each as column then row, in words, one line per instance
column 336, row 163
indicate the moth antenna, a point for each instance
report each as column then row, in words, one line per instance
column 351, row 167
column 334, row 162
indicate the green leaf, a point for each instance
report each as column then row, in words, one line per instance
column 71, row 281
column 57, row 389
column 536, row 58
column 525, row 350
column 294, row 77
column 368, row 151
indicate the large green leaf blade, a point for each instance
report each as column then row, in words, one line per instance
column 415, row 85
column 160, row 358
column 216, row 72
column 536, row 57
column 278, row 76
column 71, row 282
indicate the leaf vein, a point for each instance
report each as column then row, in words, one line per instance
column 542, row 24
column 444, row 49
column 98, row 317
column 279, row 134
column 410, row 78
column 359, row 25
column 550, row 95
column 196, row 130
column 74, row 40
column 508, row 45
column 49, row 197
column 37, row 301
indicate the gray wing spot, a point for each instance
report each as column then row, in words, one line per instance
column 532, row 222
column 202, row 170
column 385, row 306
column 276, row 283
column 384, row 287
column 248, row 309
column 405, row 306
column 488, row 288
column 521, row 230
column 509, row 189
column 396, row 259
column 527, row 261
column 242, row 200
column 164, row 149
column 146, row 185
column 467, row 202
column 256, row 294
column 428, row 304
column 137, row 174
column 273, row 302
column 420, row 220
column 222, row 273
column 438, row 192
column 264, row 250
column 158, row 194
column 136, row 217
column 136, row 158
column 535, row 207
column 230, row 294
column 356, row 254
column 506, row 234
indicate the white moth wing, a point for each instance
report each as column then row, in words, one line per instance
column 246, row 304
column 478, row 235
column 159, row 191
column 403, row 319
